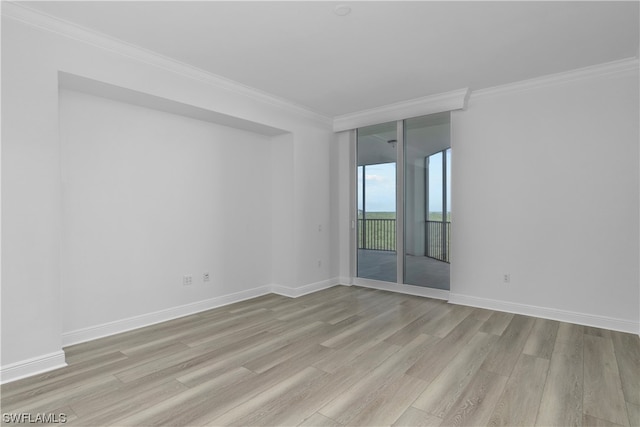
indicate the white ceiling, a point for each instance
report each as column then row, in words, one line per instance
column 381, row 53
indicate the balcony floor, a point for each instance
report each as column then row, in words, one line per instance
column 420, row 271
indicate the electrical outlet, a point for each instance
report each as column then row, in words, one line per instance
column 205, row 277
column 506, row 278
column 187, row 280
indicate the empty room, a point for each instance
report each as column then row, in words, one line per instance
column 365, row 213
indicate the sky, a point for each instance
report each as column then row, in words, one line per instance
column 381, row 187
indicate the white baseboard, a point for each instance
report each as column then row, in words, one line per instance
column 547, row 313
column 33, row 366
column 304, row 290
column 346, row 281
column 402, row 289
column 123, row 325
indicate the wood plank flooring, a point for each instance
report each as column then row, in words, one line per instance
column 344, row 356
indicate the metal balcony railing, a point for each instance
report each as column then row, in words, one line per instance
column 380, row 234
column 377, row 234
column 437, row 238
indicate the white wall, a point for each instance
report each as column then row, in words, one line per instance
column 149, row 197
column 283, row 245
column 312, row 206
column 545, row 188
column 343, row 167
column 32, row 217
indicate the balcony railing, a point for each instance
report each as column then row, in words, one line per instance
column 380, row 234
column 377, row 234
column 437, row 238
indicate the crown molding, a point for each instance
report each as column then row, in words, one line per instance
column 439, row 103
column 608, row 69
column 41, row 20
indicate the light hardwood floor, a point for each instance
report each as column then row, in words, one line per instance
column 344, row 356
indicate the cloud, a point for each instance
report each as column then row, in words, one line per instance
column 376, row 178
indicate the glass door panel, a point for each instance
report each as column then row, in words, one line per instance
column 376, row 228
column 427, row 206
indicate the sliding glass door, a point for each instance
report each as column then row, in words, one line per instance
column 376, row 228
column 427, row 224
column 404, row 224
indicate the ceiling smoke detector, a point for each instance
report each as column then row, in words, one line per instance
column 342, row 10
